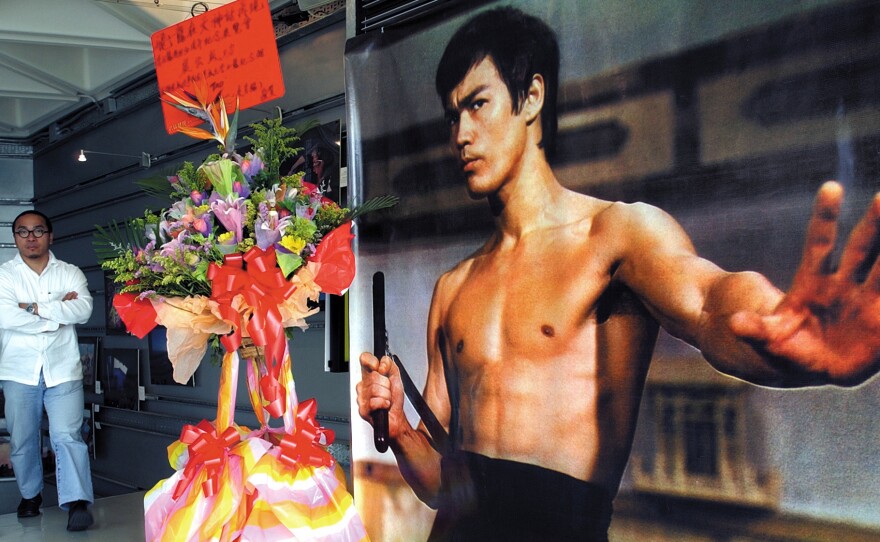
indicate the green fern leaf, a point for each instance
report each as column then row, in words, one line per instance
column 116, row 239
column 373, row 204
column 157, row 186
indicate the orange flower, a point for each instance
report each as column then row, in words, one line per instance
column 213, row 112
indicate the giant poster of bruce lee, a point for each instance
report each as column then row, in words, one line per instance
column 589, row 191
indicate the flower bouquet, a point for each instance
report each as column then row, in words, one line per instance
column 239, row 257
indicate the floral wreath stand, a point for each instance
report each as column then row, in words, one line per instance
column 234, row 483
column 278, row 243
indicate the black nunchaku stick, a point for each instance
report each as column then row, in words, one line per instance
column 380, row 417
column 439, row 437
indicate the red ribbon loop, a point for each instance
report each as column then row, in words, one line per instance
column 307, row 445
column 263, row 287
column 138, row 315
column 274, row 395
column 206, row 450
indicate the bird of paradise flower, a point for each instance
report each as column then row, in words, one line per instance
column 211, row 110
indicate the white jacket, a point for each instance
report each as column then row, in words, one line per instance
column 31, row 343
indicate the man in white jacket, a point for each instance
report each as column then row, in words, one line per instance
column 41, row 300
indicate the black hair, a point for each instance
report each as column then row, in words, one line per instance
column 33, row 212
column 520, row 46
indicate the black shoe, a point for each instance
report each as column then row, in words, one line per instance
column 78, row 516
column 30, row 508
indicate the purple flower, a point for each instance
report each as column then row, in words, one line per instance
column 172, row 247
column 145, row 294
column 178, row 250
column 251, row 165
column 229, row 212
column 242, row 189
column 268, row 227
column 307, row 211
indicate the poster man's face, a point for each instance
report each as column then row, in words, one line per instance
column 487, row 137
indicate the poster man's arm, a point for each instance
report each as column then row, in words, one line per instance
column 825, row 330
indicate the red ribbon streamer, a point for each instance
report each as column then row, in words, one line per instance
column 304, row 446
column 138, row 315
column 208, row 450
column 263, row 286
column 227, row 281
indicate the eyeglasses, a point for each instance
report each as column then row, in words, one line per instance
column 24, row 233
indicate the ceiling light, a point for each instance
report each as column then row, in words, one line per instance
column 82, row 156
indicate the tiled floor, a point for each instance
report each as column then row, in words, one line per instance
column 119, row 518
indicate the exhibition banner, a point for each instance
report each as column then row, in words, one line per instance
column 553, row 370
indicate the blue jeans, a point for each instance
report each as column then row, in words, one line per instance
column 64, row 406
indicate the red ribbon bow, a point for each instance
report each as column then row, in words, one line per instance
column 206, row 449
column 304, row 446
column 263, row 287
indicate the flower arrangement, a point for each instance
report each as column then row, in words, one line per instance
column 242, row 253
column 227, row 208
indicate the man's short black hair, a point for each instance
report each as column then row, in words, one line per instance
column 520, row 46
column 33, row 212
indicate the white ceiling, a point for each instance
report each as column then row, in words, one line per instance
column 57, row 56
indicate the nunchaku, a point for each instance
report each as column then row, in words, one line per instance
column 380, row 416
column 439, row 437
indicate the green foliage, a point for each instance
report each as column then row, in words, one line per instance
column 250, row 216
column 117, row 238
column 329, row 217
column 158, row 186
column 302, row 228
column 229, row 143
column 373, row 204
column 188, row 179
column 246, row 243
column 275, row 143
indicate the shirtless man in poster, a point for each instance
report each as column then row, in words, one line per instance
column 539, row 343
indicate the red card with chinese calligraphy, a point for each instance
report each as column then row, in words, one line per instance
column 231, row 48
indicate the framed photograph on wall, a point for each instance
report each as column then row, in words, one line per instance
column 120, row 377
column 319, row 158
column 113, row 324
column 88, row 356
column 161, row 370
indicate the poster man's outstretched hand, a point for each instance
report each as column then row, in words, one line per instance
column 829, row 321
